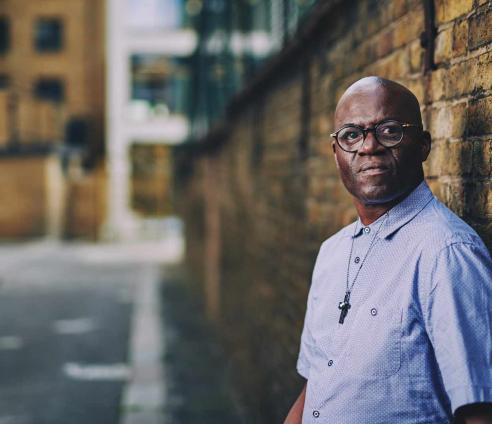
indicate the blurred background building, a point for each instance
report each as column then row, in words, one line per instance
column 94, row 93
column 148, row 83
column 172, row 67
column 51, row 117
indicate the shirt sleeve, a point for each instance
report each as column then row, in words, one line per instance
column 307, row 343
column 459, row 321
column 306, row 352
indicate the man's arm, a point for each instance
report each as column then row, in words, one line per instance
column 295, row 413
column 458, row 319
column 474, row 413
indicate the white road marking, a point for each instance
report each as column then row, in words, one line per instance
column 99, row 372
column 74, row 326
column 144, row 397
column 10, row 342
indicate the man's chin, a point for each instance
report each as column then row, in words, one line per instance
column 379, row 196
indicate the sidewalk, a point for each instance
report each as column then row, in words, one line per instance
column 198, row 383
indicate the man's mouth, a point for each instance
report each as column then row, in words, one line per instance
column 373, row 169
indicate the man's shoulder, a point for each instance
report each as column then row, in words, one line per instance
column 335, row 238
column 439, row 227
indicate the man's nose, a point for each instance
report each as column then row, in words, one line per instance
column 370, row 146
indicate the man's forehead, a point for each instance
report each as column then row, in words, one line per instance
column 369, row 106
column 369, row 101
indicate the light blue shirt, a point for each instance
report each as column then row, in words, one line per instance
column 416, row 343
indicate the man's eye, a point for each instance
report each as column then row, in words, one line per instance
column 389, row 130
column 350, row 135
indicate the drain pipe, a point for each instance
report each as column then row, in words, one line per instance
column 427, row 38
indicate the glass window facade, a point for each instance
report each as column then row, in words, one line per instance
column 235, row 40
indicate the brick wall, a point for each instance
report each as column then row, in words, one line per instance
column 260, row 194
column 23, row 190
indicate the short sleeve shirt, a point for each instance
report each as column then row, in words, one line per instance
column 416, row 343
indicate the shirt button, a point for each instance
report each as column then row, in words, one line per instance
column 374, row 312
column 316, row 414
column 330, row 363
column 357, row 260
column 367, row 230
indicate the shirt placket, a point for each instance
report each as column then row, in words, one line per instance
column 361, row 244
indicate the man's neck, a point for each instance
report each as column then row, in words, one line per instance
column 368, row 213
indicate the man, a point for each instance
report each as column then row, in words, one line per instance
column 399, row 316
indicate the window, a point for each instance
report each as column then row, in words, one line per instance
column 159, row 85
column 151, row 179
column 4, row 81
column 4, row 34
column 151, row 15
column 48, row 35
column 77, row 132
column 49, row 89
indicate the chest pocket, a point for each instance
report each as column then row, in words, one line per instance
column 374, row 349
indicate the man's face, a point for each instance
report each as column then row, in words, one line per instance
column 376, row 174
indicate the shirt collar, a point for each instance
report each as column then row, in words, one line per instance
column 398, row 215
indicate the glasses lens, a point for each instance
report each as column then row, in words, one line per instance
column 348, row 137
column 389, row 133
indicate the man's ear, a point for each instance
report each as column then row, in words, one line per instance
column 334, row 148
column 426, row 142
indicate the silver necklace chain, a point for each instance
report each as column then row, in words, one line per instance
column 345, row 305
column 371, row 245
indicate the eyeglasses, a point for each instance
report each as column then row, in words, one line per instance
column 387, row 133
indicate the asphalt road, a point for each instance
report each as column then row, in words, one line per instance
column 65, row 319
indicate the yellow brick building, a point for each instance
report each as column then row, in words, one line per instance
column 51, row 99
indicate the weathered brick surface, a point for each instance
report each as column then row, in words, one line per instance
column 23, row 188
column 272, row 206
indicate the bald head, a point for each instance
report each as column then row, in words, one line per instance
column 389, row 94
column 376, row 174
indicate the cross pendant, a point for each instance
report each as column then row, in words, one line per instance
column 344, row 307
